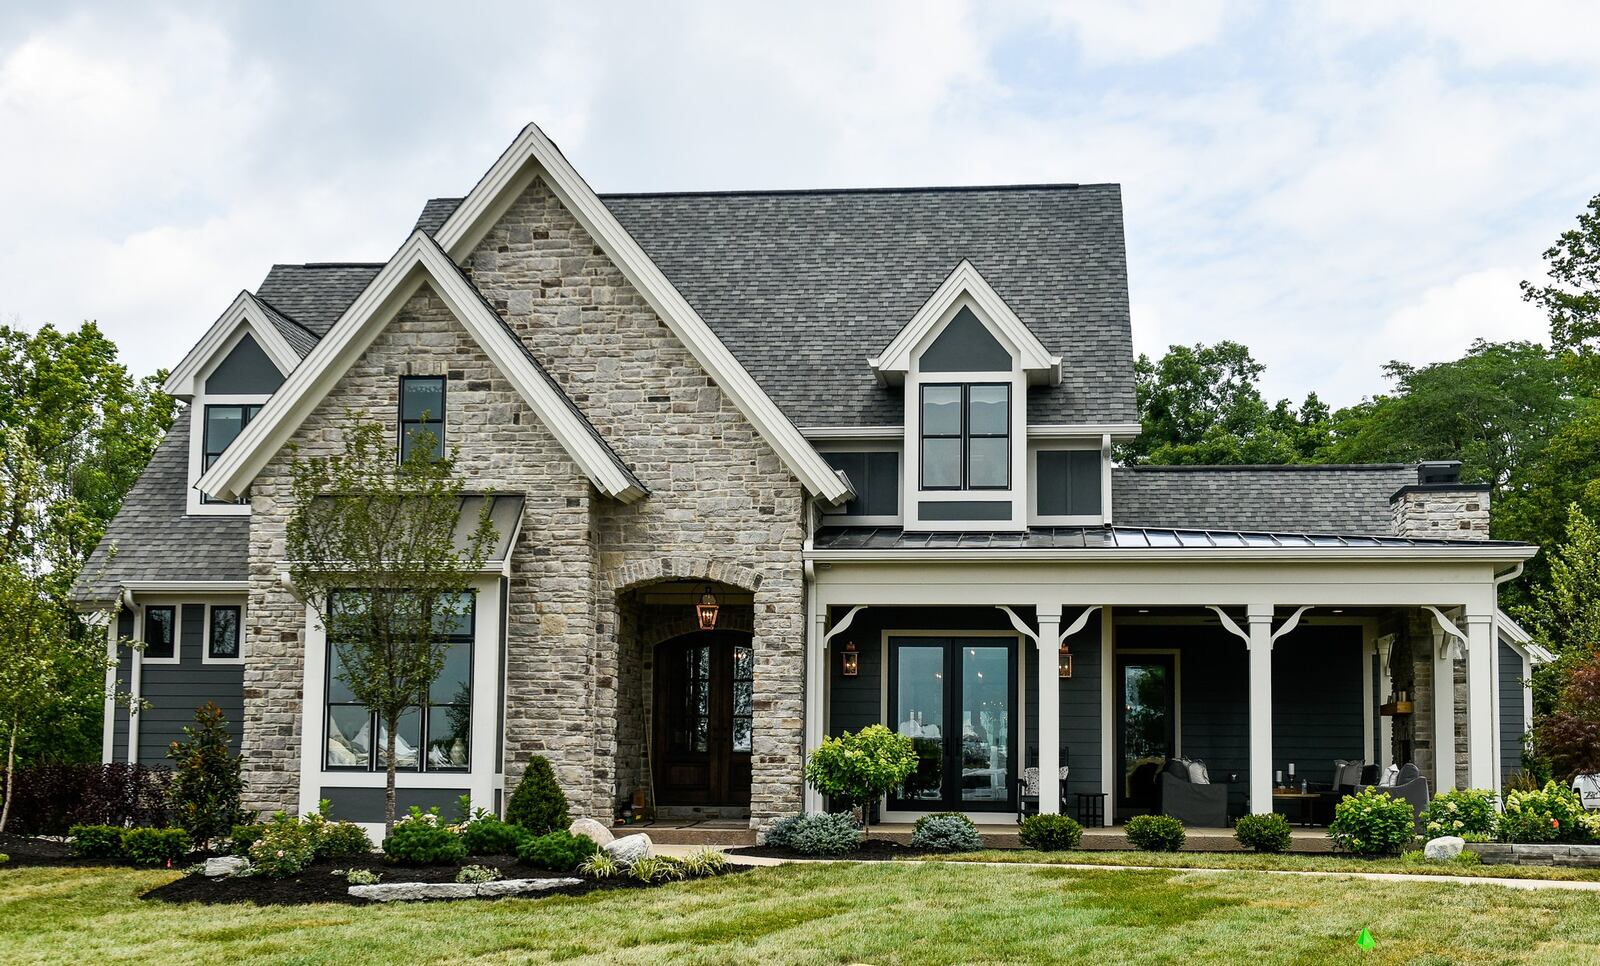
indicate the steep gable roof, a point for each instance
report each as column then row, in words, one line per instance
column 420, row 260
column 270, row 329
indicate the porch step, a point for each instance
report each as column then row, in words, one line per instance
column 718, row 836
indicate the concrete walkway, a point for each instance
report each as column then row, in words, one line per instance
column 1529, row 884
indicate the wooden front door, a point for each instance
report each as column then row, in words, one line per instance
column 703, row 697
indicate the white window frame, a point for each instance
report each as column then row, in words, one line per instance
column 195, row 506
column 835, row 515
column 177, row 631
column 1100, row 444
column 205, row 636
column 911, row 492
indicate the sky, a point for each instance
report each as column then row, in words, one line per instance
column 1335, row 185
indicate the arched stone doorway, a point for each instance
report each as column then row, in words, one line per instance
column 703, row 724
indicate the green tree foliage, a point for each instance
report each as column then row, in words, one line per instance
column 1571, row 298
column 371, row 544
column 1564, row 615
column 538, row 805
column 1569, row 736
column 856, row 768
column 1202, row 404
column 206, row 784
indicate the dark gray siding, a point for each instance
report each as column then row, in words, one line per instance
column 876, row 478
column 119, row 721
column 1068, row 482
column 1080, row 711
column 366, row 804
column 245, row 371
column 174, row 691
column 965, row 346
column 1317, row 715
column 1512, row 725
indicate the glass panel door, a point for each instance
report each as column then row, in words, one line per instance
column 1146, row 727
column 985, row 724
column 919, row 711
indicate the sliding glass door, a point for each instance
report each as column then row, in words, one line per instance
column 956, row 699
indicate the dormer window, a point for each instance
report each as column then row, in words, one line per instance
column 223, row 425
column 421, row 415
column 966, row 436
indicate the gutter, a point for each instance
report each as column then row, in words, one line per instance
column 1186, row 555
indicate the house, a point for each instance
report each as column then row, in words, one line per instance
column 872, row 427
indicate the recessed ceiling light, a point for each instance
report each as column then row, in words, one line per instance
column 1144, row 610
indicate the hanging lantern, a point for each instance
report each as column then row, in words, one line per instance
column 850, row 660
column 1065, row 661
column 706, row 610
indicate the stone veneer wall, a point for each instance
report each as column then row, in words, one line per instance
column 503, row 446
column 1446, row 511
column 722, row 505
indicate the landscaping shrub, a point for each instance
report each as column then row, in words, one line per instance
column 857, row 768
column 920, row 823
column 817, row 833
column 154, row 846
column 340, row 840
column 51, row 799
column 1265, row 833
column 947, row 833
column 1155, row 833
column 477, row 873
column 96, row 842
column 487, row 835
column 244, row 836
column 1552, row 814
column 206, row 784
column 362, row 877
column 558, row 851
column 538, row 805
column 422, row 838
column 657, row 868
column 1373, row 823
column 1050, row 833
column 704, row 864
column 1466, row 812
column 285, row 846
column 600, row 865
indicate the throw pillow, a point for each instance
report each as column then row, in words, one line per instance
column 1197, row 773
column 1409, row 773
column 1391, row 776
column 1178, row 768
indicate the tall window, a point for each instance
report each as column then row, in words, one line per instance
column 222, row 641
column 224, row 423
column 421, row 414
column 433, row 738
column 160, row 632
column 966, row 436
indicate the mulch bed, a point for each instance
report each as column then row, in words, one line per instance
column 872, row 850
column 30, row 851
column 317, row 883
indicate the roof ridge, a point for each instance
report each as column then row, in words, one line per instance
column 287, row 317
column 902, row 189
column 1257, row 467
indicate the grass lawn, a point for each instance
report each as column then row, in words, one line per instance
column 1251, row 860
column 874, row 913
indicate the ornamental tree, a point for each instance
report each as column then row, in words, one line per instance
column 857, row 768
column 206, row 784
column 372, row 549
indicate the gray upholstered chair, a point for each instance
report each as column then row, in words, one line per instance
column 1195, row 805
column 1411, row 785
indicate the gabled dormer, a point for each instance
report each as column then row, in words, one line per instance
column 966, row 361
column 226, row 378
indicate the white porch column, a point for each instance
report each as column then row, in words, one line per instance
column 1481, row 700
column 816, row 668
column 1260, row 708
column 1444, row 712
column 1049, row 709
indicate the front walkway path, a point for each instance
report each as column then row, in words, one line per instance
column 1573, row 885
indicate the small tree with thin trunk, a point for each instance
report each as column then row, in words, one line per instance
column 372, row 549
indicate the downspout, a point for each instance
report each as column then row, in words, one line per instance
column 135, row 676
column 1495, row 714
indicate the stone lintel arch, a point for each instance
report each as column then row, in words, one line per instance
column 655, row 570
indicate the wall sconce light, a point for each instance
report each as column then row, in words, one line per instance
column 1065, row 661
column 706, row 610
column 850, row 660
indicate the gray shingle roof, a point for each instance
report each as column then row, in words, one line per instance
column 1300, row 498
column 155, row 540
column 316, row 294
column 803, row 286
column 1119, row 537
column 300, row 338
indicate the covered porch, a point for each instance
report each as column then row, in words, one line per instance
column 1259, row 668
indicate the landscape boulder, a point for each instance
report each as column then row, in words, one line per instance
column 1444, row 849
column 222, row 865
column 590, row 829
column 631, row 848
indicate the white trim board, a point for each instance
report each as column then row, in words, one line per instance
column 532, row 155
column 965, row 281
column 419, row 260
column 187, row 377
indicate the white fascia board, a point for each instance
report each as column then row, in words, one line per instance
column 1186, row 555
column 1117, row 431
column 418, row 260
column 183, row 381
column 190, row 586
column 510, row 176
column 895, row 361
column 1520, row 640
column 853, row 432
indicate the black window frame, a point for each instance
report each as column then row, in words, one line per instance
column 172, row 632
column 467, row 639
column 966, row 436
column 238, row 632
column 247, row 412
column 406, row 426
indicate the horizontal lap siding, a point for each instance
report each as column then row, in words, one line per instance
column 1317, row 714
column 119, row 720
column 174, row 691
column 1511, row 710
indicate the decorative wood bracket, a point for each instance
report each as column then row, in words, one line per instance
column 1244, row 635
column 844, row 624
column 1385, row 651
column 1077, row 624
column 1020, row 624
column 1290, row 624
column 1022, row 627
column 1450, row 631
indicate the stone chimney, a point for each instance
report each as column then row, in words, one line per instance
column 1440, row 506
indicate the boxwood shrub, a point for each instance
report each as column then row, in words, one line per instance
column 1155, row 833
column 558, row 851
column 487, row 835
column 154, row 846
column 1050, row 833
column 102, row 842
column 1264, row 833
column 1373, row 823
column 244, row 836
column 423, row 838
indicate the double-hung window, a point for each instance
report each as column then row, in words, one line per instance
column 966, row 436
column 223, row 425
column 421, row 415
column 435, row 737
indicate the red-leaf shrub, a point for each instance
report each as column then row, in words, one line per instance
column 50, row 799
column 1570, row 736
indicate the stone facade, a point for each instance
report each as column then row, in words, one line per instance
column 1450, row 511
column 722, row 508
